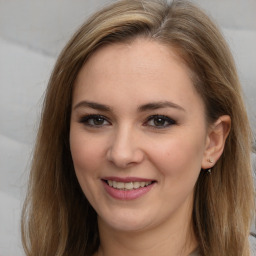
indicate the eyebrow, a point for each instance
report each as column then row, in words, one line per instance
column 93, row 105
column 161, row 104
column 142, row 108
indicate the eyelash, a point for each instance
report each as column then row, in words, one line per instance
column 167, row 121
column 86, row 120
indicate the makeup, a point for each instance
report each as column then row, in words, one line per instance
column 128, row 188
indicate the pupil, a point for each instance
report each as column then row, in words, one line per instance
column 159, row 121
column 98, row 121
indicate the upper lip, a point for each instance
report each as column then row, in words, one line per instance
column 127, row 179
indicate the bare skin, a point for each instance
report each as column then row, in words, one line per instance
column 137, row 117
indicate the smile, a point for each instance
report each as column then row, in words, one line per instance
column 127, row 188
column 128, row 185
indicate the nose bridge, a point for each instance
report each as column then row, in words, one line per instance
column 124, row 148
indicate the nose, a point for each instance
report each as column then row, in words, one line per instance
column 124, row 150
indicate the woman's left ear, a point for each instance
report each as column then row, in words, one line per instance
column 215, row 141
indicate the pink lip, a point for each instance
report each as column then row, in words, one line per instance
column 126, row 194
column 126, row 179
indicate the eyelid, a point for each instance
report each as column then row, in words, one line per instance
column 84, row 120
column 170, row 121
column 167, row 121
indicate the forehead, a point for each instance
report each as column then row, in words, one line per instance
column 142, row 70
column 140, row 53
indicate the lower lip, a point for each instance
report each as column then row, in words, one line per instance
column 127, row 194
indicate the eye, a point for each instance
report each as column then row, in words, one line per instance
column 94, row 120
column 159, row 121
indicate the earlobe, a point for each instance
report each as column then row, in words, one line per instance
column 215, row 142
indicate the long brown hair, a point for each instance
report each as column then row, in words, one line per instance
column 57, row 218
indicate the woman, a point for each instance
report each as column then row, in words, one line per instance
column 144, row 143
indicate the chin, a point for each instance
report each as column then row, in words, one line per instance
column 125, row 222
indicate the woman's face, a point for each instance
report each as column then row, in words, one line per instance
column 138, row 135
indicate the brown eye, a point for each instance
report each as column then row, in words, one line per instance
column 94, row 121
column 97, row 121
column 159, row 121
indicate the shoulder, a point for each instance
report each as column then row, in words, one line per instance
column 252, row 240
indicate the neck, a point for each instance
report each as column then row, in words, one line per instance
column 179, row 240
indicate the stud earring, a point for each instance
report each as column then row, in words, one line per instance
column 210, row 160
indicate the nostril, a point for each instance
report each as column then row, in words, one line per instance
column 125, row 157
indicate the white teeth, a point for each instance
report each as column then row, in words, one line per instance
column 143, row 184
column 120, row 185
column 128, row 185
column 136, row 184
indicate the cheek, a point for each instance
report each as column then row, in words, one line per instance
column 178, row 155
column 179, row 163
column 86, row 153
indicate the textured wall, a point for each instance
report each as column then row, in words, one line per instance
column 32, row 33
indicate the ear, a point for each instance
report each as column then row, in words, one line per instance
column 215, row 141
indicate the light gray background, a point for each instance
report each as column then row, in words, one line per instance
column 32, row 33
